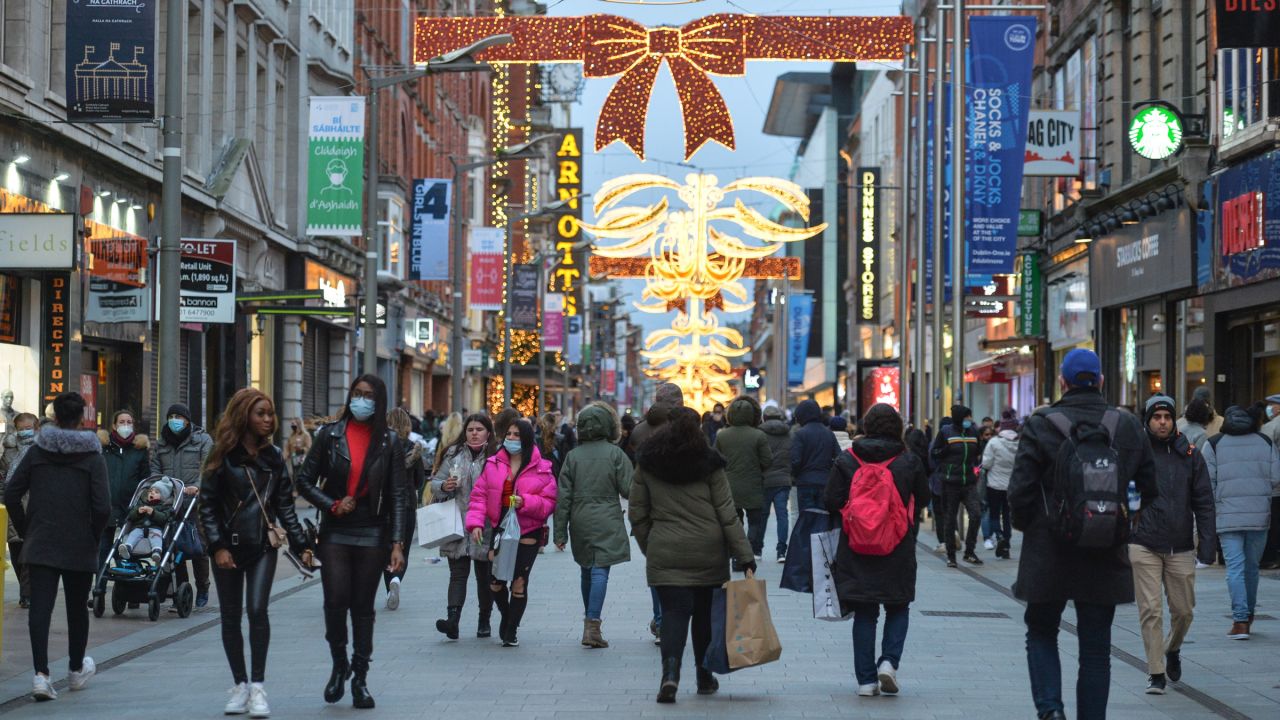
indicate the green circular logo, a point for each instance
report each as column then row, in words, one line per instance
column 1155, row 132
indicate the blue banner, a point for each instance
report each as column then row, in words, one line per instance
column 799, row 320
column 429, row 216
column 930, row 173
column 997, row 103
column 111, row 60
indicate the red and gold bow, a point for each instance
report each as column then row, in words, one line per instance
column 617, row 46
column 610, row 46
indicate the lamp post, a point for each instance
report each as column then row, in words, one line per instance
column 544, row 211
column 521, row 151
column 461, row 60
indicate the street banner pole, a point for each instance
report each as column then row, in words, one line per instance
column 921, row 400
column 958, row 95
column 902, row 293
column 939, row 296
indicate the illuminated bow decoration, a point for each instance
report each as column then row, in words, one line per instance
column 617, row 46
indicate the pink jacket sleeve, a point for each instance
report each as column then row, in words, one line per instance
column 481, row 493
column 541, row 502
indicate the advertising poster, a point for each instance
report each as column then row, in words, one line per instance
column 1248, row 207
column 429, row 216
column 335, row 166
column 553, row 322
column 524, row 297
column 486, row 268
column 877, row 383
column 117, row 276
column 799, row 321
column 1001, row 55
column 1053, row 144
column 111, row 60
column 573, row 339
column 208, row 289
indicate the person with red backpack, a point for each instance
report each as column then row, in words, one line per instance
column 878, row 489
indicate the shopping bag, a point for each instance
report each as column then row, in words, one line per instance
column 187, row 541
column 797, row 572
column 439, row 523
column 506, row 542
column 750, row 638
column 717, row 658
column 826, row 603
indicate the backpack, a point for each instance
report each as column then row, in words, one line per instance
column 874, row 518
column 1090, row 507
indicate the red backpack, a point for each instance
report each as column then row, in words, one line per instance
column 874, row 518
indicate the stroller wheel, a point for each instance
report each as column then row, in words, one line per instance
column 118, row 601
column 99, row 605
column 185, row 600
column 153, row 609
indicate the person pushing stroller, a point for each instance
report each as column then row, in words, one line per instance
column 147, row 518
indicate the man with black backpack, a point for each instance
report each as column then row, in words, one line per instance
column 1079, row 461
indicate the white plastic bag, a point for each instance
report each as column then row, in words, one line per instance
column 826, row 603
column 506, row 542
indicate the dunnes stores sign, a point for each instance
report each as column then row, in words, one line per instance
column 868, row 246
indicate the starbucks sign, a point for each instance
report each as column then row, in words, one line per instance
column 1155, row 132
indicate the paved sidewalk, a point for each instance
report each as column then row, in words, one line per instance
column 954, row 667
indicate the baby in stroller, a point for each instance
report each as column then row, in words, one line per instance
column 148, row 518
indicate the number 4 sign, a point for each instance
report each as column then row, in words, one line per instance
column 429, row 229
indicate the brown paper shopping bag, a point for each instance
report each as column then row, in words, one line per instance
column 749, row 634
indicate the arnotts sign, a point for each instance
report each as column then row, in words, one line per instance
column 570, row 269
column 868, row 246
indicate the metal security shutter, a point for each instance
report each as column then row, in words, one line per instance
column 315, row 371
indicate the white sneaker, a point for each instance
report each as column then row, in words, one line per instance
column 393, row 595
column 42, row 688
column 77, row 680
column 989, row 545
column 238, row 704
column 869, row 690
column 1200, row 565
column 258, row 707
column 888, row 678
column 942, row 547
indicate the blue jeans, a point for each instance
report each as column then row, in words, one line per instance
column 657, row 606
column 865, row 617
column 811, row 496
column 1243, row 551
column 776, row 497
column 595, row 582
column 1093, row 681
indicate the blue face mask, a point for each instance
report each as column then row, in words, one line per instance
column 512, row 447
column 177, row 424
column 967, row 424
column 361, row 408
column 26, row 434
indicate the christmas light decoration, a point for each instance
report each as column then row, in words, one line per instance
column 771, row 268
column 716, row 45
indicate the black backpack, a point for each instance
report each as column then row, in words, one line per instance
column 1089, row 508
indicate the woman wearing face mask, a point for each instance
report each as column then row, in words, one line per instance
column 128, row 462
column 298, row 445
column 455, row 478
column 355, row 475
column 181, row 453
column 516, row 479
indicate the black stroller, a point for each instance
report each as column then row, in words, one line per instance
column 140, row 579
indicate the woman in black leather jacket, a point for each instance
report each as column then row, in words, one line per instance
column 355, row 475
column 242, row 468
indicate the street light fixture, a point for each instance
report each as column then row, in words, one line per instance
column 461, row 60
column 519, row 151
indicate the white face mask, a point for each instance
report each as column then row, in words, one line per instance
column 336, row 178
column 124, row 431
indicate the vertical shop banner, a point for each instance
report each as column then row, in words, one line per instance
column 799, row 321
column 569, row 274
column 524, row 297
column 1030, row 296
column 1053, row 144
column 335, row 166
column 867, row 246
column 553, row 322
column 573, row 339
column 1248, row 23
column 932, row 172
column 429, row 217
column 486, row 268
column 609, row 376
column 117, row 276
column 208, row 289
column 1001, row 55
column 55, row 352
column 111, row 60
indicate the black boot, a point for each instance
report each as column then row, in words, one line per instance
column 670, row 680
column 360, row 697
column 334, row 690
column 450, row 626
column 1002, row 549
column 482, row 626
column 707, row 683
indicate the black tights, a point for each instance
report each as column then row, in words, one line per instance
column 680, row 606
column 513, row 604
column 44, row 593
column 458, row 571
column 349, row 575
column 247, row 586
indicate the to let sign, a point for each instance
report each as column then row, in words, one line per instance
column 208, row 287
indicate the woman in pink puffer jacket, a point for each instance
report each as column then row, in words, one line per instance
column 515, row 479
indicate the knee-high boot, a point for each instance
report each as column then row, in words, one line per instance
column 362, row 643
column 334, row 690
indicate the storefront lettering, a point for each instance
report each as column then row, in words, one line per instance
column 1242, row 223
column 1137, row 251
column 868, row 246
column 55, row 356
column 567, row 275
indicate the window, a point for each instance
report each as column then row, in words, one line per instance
column 1245, row 90
column 58, row 47
column 391, row 233
column 14, row 31
column 1075, row 87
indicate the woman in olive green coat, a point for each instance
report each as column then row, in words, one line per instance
column 682, row 515
column 594, row 474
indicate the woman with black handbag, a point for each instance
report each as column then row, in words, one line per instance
column 246, row 510
column 355, row 475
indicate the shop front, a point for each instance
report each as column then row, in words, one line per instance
column 1138, row 275
column 1069, row 321
column 326, row 339
column 1240, row 271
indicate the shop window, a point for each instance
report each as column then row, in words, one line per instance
column 10, row 315
column 391, row 233
column 58, row 47
column 14, row 29
column 1245, row 91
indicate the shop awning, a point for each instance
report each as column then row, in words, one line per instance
column 990, row 370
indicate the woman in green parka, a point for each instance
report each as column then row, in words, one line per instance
column 594, row 475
